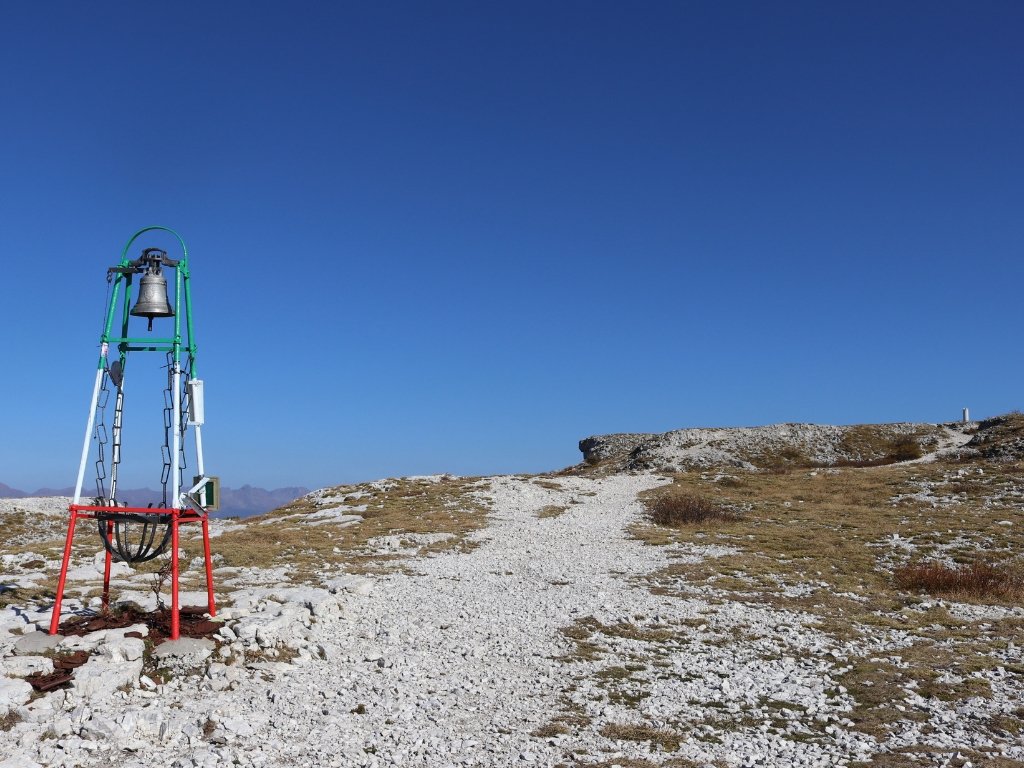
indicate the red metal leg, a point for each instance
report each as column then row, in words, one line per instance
column 175, row 619
column 210, row 604
column 55, row 619
column 106, row 570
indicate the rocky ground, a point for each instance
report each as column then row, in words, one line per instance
column 544, row 621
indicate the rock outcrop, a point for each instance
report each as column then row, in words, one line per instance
column 1000, row 438
column 778, row 445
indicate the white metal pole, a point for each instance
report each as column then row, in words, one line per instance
column 89, row 426
column 200, row 467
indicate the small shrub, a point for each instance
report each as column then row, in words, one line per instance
column 551, row 730
column 676, row 509
column 787, row 457
column 977, row 579
column 904, row 449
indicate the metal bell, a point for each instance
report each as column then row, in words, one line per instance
column 152, row 299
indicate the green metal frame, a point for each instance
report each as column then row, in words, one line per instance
column 126, row 343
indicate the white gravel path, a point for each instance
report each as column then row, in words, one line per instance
column 457, row 663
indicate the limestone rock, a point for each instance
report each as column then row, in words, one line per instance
column 103, row 674
column 36, row 642
column 123, row 649
column 13, row 693
column 357, row 585
column 23, row 666
column 189, row 650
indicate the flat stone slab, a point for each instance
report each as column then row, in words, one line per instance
column 357, row 585
column 185, row 647
column 13, row 693
column 23, row 666
column 36, row 642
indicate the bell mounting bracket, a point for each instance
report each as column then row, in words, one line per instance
column 150, row 262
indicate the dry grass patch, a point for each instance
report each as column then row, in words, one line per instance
column 619, row 762
column 22, row 596
column 406, row 506
column 878, row 687
column 550, row 730
column 829, row 533
column 675, row 509
column 923, row 755
column 980, row 579
column 663, row 737
column 589, row 637
column 827, row 542
column 873, row 445
column 29, row 529
column 551, row 510
column 550, row 485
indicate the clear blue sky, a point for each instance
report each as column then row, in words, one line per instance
column 460, row 237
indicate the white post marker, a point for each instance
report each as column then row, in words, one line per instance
column 967, row 415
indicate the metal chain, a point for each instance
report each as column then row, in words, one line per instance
column 102, row 440
column 115, row 446
column 100, row 436
column 165, row 449
column 183, row 420
column 186, row 375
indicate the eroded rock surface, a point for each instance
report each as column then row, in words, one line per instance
column 770, row 446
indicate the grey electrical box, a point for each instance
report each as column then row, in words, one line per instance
column 196, row 406
column 208, row 495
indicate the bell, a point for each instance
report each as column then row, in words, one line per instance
column 152, row 299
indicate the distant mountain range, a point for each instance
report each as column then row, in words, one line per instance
column 235, row 502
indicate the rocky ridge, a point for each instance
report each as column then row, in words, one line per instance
column 771, row 446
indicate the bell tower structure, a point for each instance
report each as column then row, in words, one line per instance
column 135, row 534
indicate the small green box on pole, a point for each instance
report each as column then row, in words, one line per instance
column 209, row 495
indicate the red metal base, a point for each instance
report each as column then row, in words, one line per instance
column 178, row 516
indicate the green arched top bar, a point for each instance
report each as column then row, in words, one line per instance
column 144, row 230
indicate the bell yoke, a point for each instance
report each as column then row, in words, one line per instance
column 138, row 534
